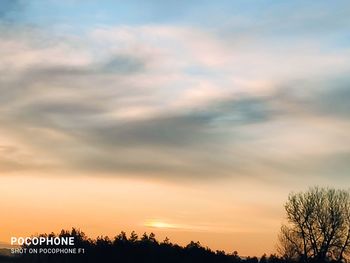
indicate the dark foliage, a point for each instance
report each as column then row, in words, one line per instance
column 318, row 226
column 146, row 249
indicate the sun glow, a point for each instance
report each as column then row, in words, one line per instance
column 159, row 224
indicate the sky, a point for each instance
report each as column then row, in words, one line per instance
column 191, row 119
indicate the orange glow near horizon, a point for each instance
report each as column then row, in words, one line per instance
column 106, row 206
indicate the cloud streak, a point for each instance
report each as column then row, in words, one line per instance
column 171, row 102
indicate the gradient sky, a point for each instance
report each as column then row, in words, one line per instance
column 191, row 119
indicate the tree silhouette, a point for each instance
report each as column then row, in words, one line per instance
column 146, row 249
column 318, row 228
column 263, row 259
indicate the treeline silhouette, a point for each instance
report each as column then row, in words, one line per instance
column 134, row 249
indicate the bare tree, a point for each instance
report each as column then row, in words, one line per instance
column 318, row 227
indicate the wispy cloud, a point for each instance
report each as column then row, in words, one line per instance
column 170, row 102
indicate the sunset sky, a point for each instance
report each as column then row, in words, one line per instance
column 190, row 119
